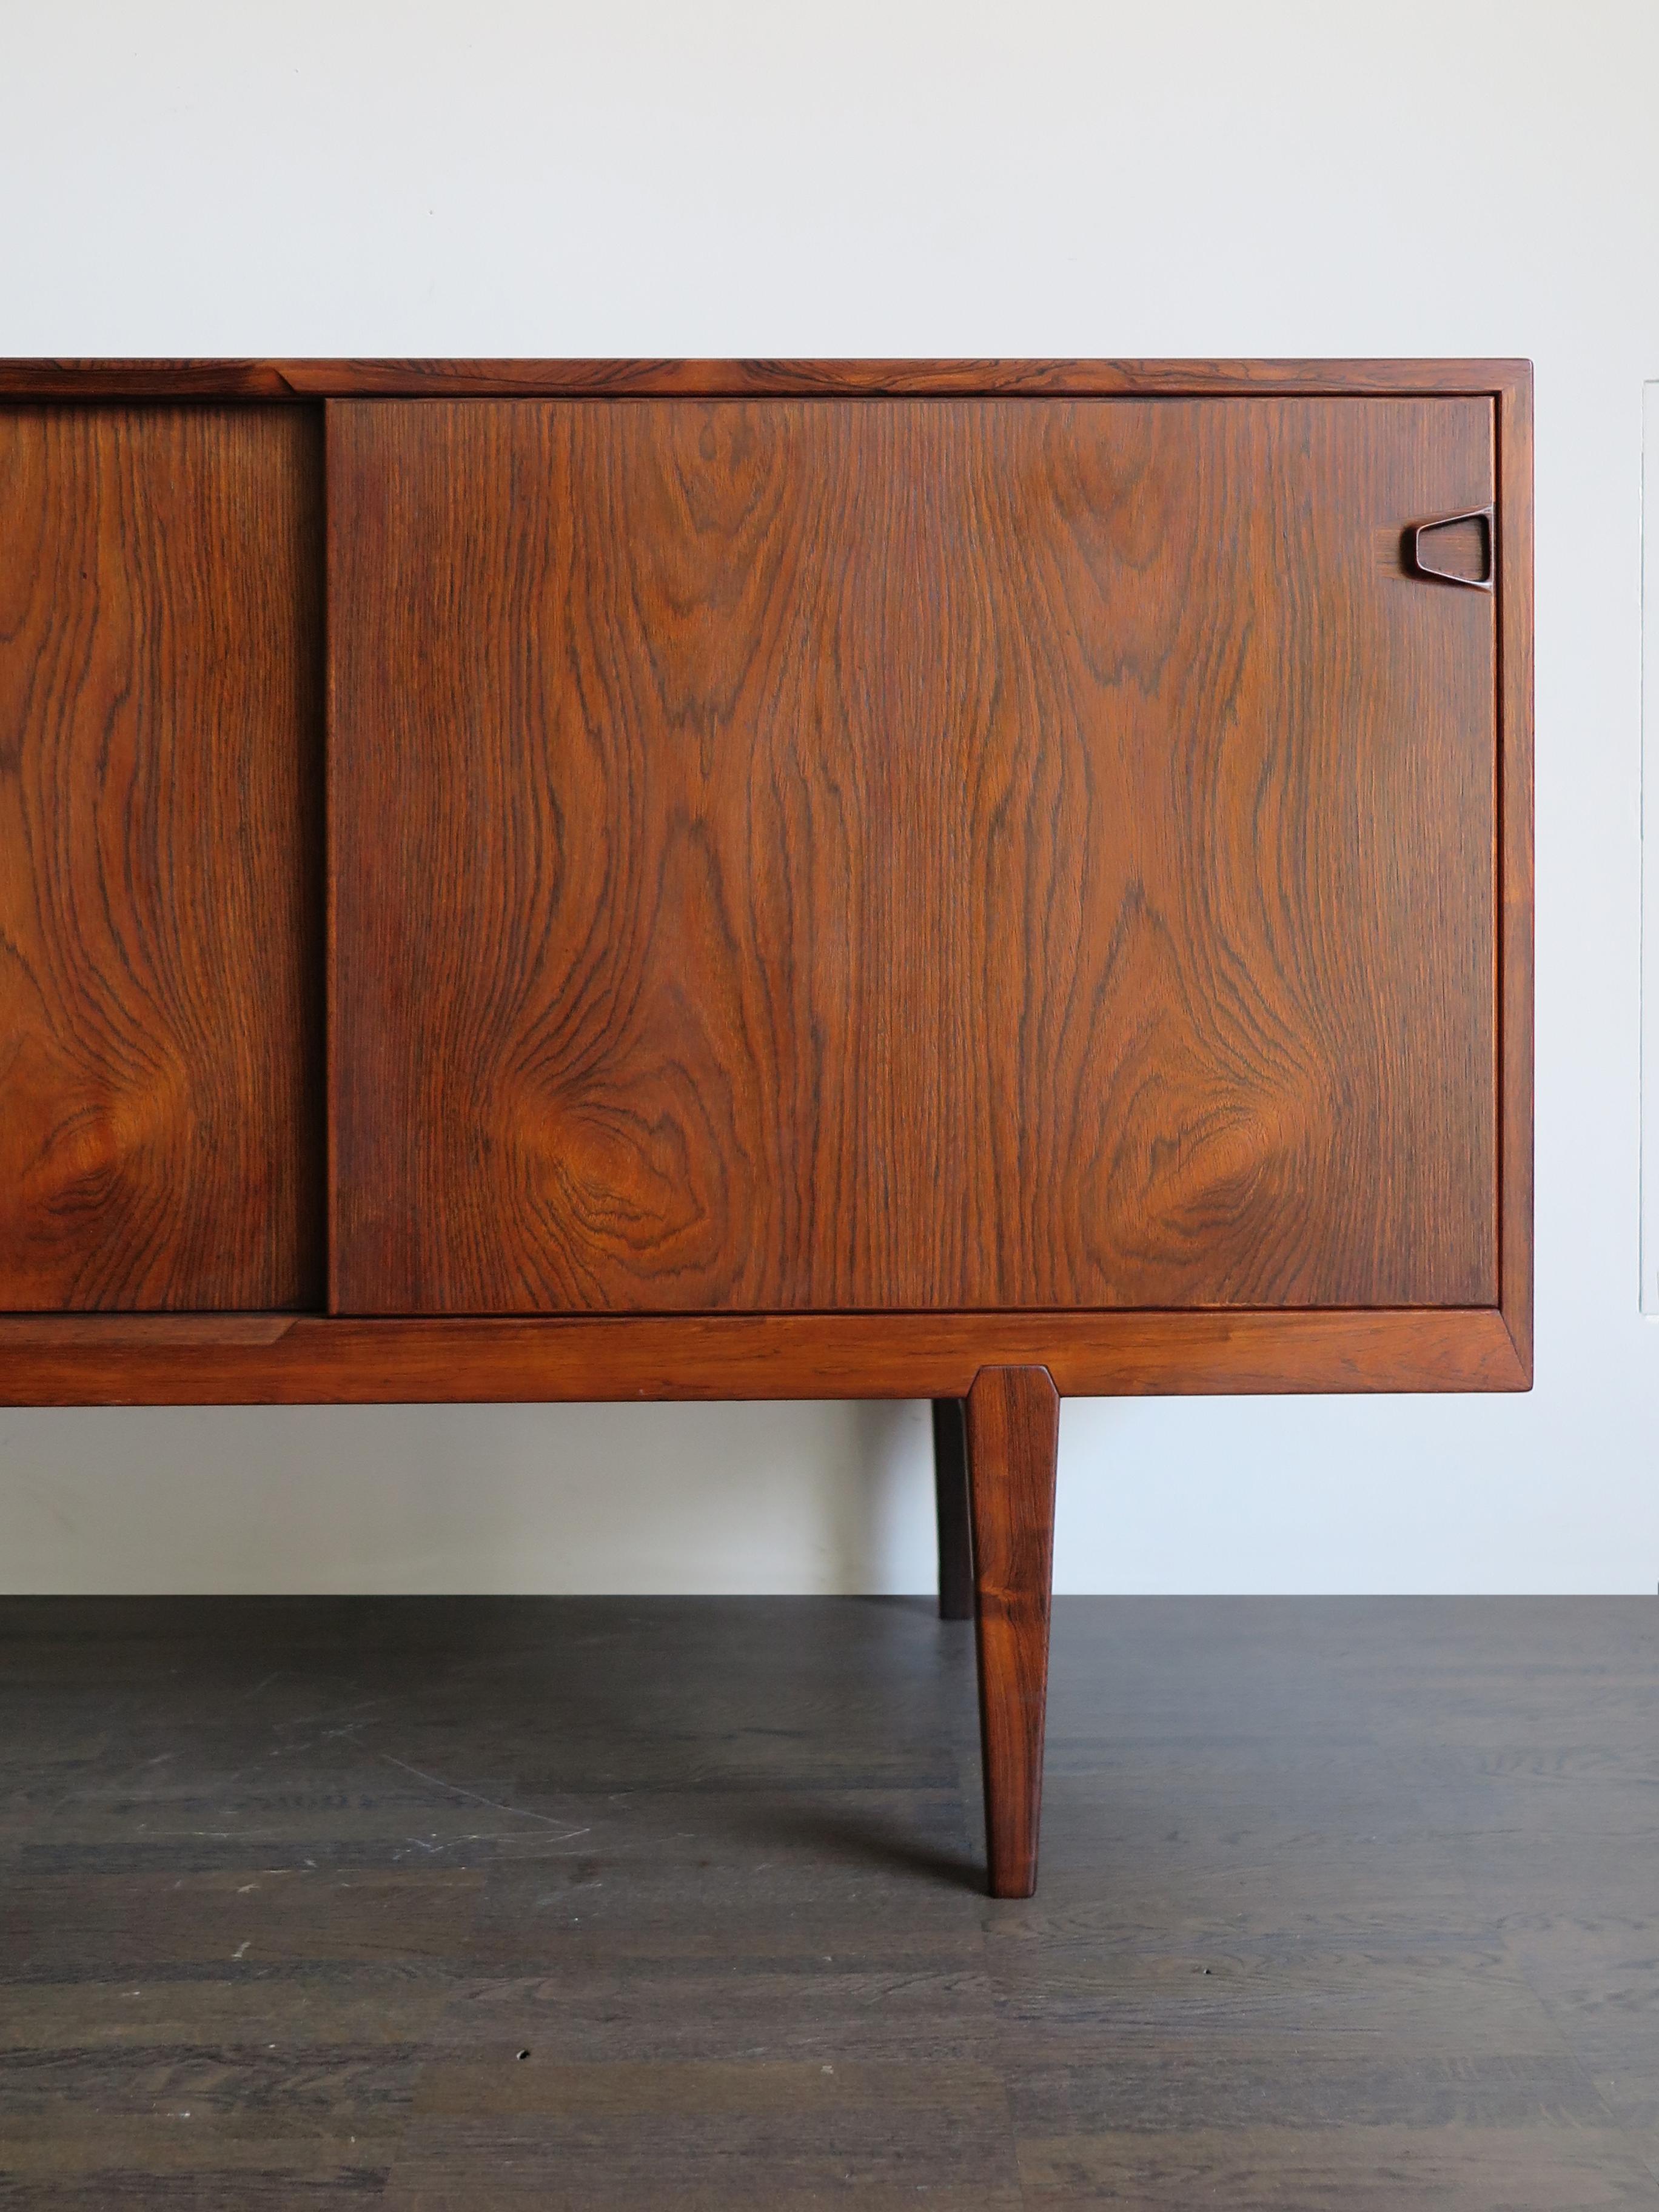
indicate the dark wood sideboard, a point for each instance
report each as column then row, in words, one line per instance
column 974, row 880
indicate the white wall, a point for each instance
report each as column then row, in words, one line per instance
column 912, row 177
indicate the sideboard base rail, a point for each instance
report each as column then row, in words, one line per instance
column 230, row 1359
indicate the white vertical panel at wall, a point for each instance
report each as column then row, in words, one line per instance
column 1650, row 847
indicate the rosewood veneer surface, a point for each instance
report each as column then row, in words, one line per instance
column 1101, row 939
column 930, row 854
column 161, row 855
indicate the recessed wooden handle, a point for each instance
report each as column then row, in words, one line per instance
column 1472, row 532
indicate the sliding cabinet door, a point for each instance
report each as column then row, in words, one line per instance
column 160, row 666
column 796, row 854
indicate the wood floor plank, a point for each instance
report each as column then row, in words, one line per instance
column 1345, row 1904
column 1339, row 2169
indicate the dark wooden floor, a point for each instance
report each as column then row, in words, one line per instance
column 610, row 1903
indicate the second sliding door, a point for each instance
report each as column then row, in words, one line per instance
column 813, row 854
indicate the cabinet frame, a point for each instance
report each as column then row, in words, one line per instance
column 293, row 1357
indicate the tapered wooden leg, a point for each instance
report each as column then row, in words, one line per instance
column 1013, row 1440
column 955, row 1547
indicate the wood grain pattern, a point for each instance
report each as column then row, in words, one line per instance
column 159, row 867
column 277, row 1360
column 266, row 1357
column 320, row 379
column 924, row 855
column 1014, row 1445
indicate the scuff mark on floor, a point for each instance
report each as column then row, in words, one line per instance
column 519, row 1812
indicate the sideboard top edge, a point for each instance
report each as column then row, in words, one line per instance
column 319, row 379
